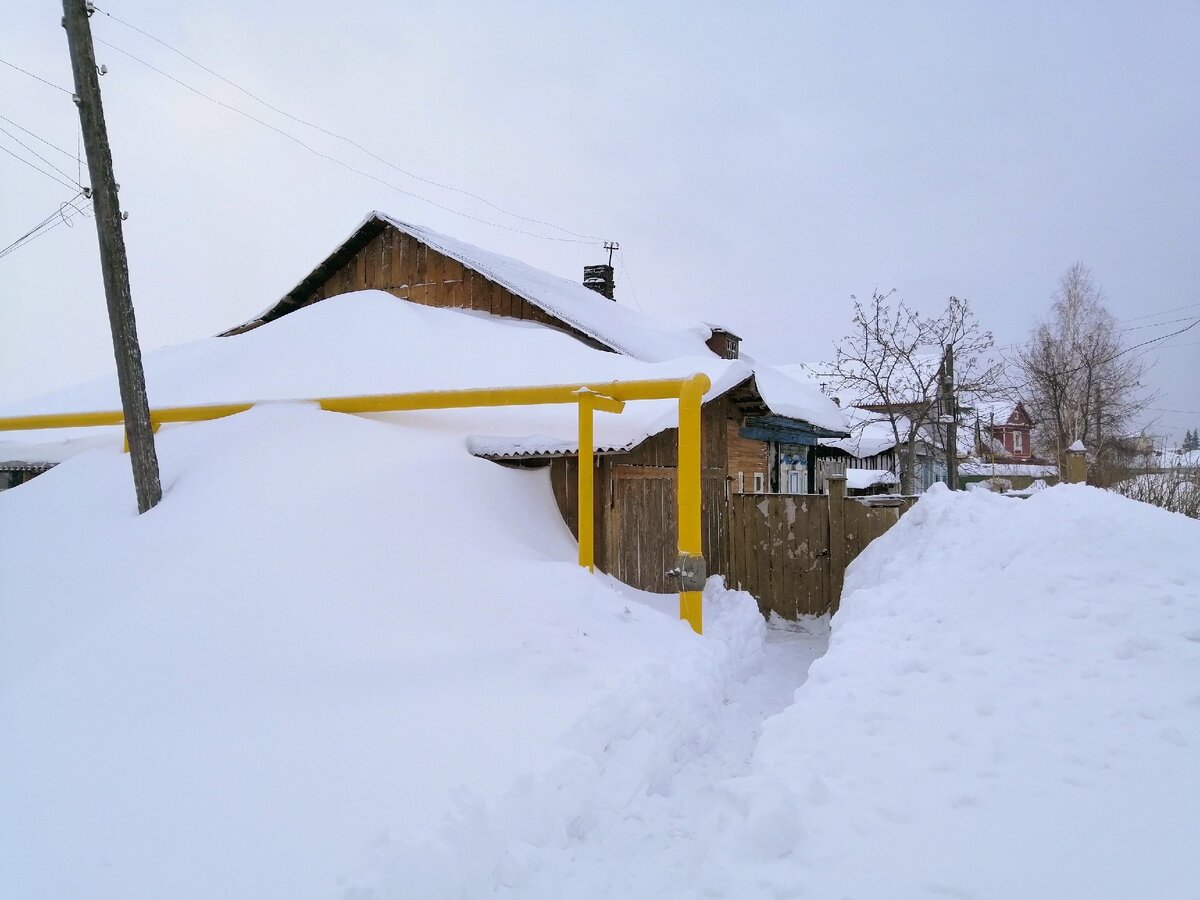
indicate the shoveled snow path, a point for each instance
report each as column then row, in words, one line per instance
column 656, row 846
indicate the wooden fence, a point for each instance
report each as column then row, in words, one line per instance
column 791, row 550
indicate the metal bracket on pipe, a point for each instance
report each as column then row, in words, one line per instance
column 691, row 571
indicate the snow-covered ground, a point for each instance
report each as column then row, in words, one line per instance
column 345, row 659
column 340, row 648
column 1009, row 707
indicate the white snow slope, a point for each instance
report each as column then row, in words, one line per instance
column 339, row 650
column 368, row 342
column 1009, row 707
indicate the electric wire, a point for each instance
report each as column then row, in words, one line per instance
column 59, row 217
column 35, row 77
column 22, row 159
column 65, row 175
column 587, row 238
column 325, row 156
column 629, row 279
column 38, row 137
column 1161, row 312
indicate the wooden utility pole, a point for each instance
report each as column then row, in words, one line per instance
column 113, row 263
column 950, row 415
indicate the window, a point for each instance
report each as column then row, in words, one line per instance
column 1018, row 441
column 758, row 482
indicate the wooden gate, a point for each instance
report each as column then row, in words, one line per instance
column 642, row 538
column 778, row 550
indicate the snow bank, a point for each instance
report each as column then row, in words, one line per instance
column 368, row 343
column 342, row 654
column 1009, row 707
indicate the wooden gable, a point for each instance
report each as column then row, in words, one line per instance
column 1020, row 416
column 381, row 257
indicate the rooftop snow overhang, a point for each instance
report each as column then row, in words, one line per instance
column 609, row 325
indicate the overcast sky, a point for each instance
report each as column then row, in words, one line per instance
column 758, row 162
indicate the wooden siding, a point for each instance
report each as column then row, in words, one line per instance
column 745, row 457
column 406, row 268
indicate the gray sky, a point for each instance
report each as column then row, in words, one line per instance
column 758, row 162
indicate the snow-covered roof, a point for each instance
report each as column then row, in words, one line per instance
column 797, row 397
column 862, row 479
column 348, row 345
column 870, row 433
column 995, row 412
column 1006, row 470
column 35, row 451
column 628, row 331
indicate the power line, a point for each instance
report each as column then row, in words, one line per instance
column 629, row 279
column 38, row 137
column 59, row 217
column 347, row 140
column 1066, row 374
column 65, row 175
column 34, row 77
column 36, row 169
column 1161, row 312
column 333, row 134
column 65, row 219
column 333, row 159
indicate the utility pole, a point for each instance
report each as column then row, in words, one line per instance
column 950, row 410
column 115, row 267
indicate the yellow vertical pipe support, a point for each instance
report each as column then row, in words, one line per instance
column 587, row 481
column 688, row 491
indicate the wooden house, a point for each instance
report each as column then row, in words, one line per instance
column 746, row 430
column 1009, row 426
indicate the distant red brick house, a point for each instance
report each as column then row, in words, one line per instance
column 1012, row 428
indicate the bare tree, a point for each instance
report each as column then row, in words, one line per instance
column 1077, row 380
column 891, row 364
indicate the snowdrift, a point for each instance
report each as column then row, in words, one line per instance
column 368, row 342
column 1009, row 707
column 342, row 658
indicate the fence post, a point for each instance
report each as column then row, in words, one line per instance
column 837, row 538
column 1076, row 464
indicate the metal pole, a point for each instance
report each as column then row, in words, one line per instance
column 692, row 571
column 587, row 481
column 113, row 262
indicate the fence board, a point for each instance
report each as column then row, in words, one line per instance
column 779, row 551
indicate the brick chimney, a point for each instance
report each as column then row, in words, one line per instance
column 599, row 279
column 724, row 342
